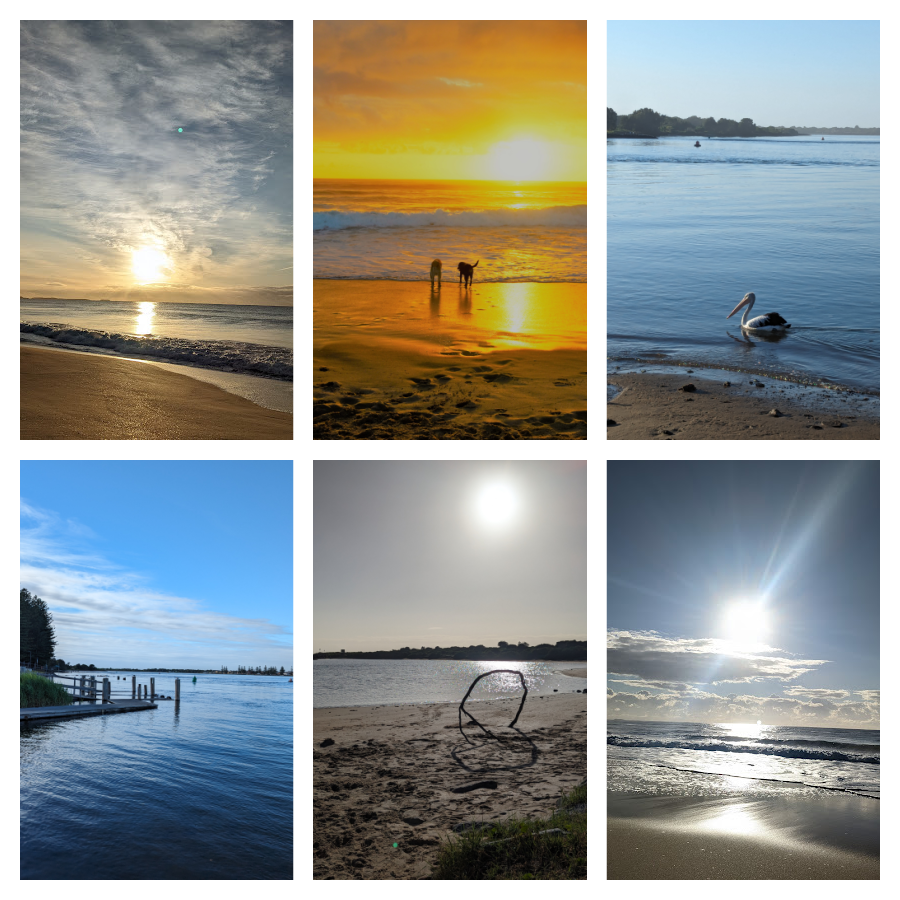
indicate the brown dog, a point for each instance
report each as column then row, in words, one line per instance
column 436, row 270
column 466, row 271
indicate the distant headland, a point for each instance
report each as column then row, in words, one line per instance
column 647, row 122
column 520, row 652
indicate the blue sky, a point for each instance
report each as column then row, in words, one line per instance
column 162, row 563
column 811, row 73
column 105, row 173
column 448, row 553
column 744, row 591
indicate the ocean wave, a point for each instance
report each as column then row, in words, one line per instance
column 551, row 216
column 224, row 356
column 788, row 749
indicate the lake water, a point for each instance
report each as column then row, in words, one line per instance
column 203, row 790
column 372, row 682
column 518, row 231
column 693, row 229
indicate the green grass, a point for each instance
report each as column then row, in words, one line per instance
column 522, row 853
column 35, row 690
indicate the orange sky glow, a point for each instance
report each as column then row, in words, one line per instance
column 450, row 100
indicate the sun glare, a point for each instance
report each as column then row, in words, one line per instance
column 148, row 263
column 745, row 623
column 520, row 160
column 497, row 505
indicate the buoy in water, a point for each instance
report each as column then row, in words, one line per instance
column 195, row 679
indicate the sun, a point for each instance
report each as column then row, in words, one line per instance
column 148, row 263
column 524, row 159
column 497, row 504
column 745, row 623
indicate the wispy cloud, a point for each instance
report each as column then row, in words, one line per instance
column 106, row 614
column 105, row 171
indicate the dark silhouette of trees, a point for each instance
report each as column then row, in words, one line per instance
column 610, row 119
column 746, row 128
column 37, row 640
column 649, row 122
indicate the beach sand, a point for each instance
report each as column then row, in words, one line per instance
column 652, row 408
column 389, row 776
column 398, row 361
column 681, row 838
column 82, row 396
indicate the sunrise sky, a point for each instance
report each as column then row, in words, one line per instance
column 156, row 161
column 450, row 100
column 744, row 592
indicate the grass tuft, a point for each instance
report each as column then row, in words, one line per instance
column 514, row 850
column 35, row 690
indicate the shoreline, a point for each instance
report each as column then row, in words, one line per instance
column 396, row 360
column 651, row 407
column 392, row 774
column 83, row 396
column 734, row 837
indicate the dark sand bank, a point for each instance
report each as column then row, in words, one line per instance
column 83, row 396
column 398, row 361
column 821, row 837
column 651, row 407
column 389, row 777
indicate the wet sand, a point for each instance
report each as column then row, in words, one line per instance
column 652, row 407
column 390, row 777
column 680, row 838
column 400, row 361
column 82, row 396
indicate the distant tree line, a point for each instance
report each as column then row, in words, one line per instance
column 648, row 121
column 37, row 639
column 805, row 129
column 520, row 652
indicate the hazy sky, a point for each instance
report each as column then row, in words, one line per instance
column 777, row 73
column 162, row 563
column 425, row 554
column 450, row 100
column 744, row 592
column 115, row 202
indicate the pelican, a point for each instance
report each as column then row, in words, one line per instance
column 768, row 322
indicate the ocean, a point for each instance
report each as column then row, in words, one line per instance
column 203, row 790
column 246, row 350
column 693, row 229
column 392, row 230
column 373, row 682
column 689, row 759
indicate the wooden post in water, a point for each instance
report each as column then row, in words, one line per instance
column 145, row 691
column 93, row 688
column 152, row 689
column 177, row 690
column 106, row 690
column 81, row 687
column 133, row 683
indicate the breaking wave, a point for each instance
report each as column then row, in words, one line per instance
column 551, row 216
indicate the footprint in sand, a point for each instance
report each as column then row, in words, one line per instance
column 442, row 377
column 466, row 404
column 422, row 382
column 499, row 377
column 469, row 353
column 482, row 369
column 453, row 368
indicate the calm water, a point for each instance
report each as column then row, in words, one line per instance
column 252, row 340
column 371, row 682
column 795, row 220
column 200, row 792
column 694, row 759
column 392, row 230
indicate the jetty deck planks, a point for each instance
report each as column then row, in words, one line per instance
column 74, row 711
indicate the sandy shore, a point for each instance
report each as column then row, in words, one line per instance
column 82, row 396
column 389, row 778
column 651, row 407
column 398, row 361
column 681, row 838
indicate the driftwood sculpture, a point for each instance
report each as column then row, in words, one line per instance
column 462, row 705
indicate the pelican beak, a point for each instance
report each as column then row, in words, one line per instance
column 740, row 305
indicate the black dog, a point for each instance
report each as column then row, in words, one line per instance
column 466, row 271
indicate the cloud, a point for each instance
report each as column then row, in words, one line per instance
column 700, row 706
column 108, row 615
column 104, row 168
column 649, row 656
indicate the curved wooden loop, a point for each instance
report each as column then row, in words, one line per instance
column 462, row 708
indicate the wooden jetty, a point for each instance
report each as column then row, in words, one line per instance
column 75, row 710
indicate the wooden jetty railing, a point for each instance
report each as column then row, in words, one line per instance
column 84, row 689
